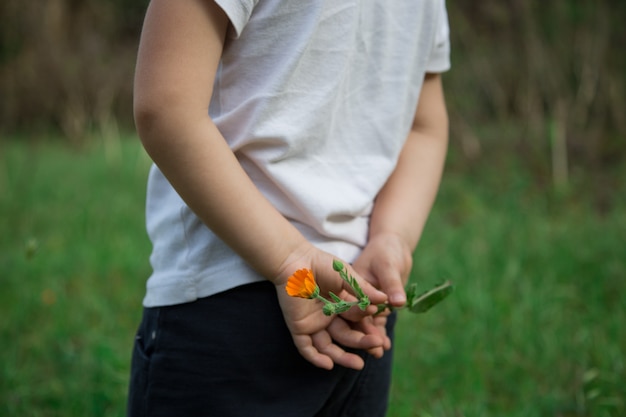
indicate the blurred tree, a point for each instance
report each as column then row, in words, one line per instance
column 546, row 80
column 67, row 64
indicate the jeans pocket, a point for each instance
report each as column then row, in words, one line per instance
column 143, row 349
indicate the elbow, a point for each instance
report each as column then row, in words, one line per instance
column 160, row 113
column 155, row 119
column 146, row 116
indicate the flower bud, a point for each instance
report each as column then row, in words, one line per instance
column 329, row 309
column 342, row 307
column 364, row 303
column 337, row 265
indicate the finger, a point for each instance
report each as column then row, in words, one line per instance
column 356, row 314
column 377, row 352
column 375, row 325
column 375, row 295
column 366, row 334
column 381, row 324
column 324, row 344
column 305, row 346
column 343, row 333
column 390, row 282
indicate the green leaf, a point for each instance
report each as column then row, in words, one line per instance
column 364, row 303
column 411, row 293
column 429, row 299
column 381, row 308
column 342, row 307
column 334, row 296
column 356, row 288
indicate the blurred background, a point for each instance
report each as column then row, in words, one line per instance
column 530, row 222
column 535, row 78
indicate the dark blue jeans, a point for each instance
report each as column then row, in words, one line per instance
column 231, row 355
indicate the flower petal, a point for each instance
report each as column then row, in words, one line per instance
column 302, row 284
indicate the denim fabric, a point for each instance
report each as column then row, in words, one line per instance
column 231, row 355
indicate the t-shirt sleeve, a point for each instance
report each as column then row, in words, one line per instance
column 238, row 12
column 439, row 60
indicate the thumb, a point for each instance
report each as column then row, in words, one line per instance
column 390, row 282
column 375, row 295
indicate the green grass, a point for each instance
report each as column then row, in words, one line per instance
column 72, row 270
column 535, row 326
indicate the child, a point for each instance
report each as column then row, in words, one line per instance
column 285, row 134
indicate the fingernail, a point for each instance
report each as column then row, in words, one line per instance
column 397, row 299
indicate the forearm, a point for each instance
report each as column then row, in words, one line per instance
column 197, row 161
column 404, row 203
column 178, row 57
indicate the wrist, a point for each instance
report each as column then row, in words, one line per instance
column 388, row 254
column 398, row 241
column 295, row 254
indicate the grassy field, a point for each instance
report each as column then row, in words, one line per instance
column 536, row 326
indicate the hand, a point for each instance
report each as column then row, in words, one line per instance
column 316, row 336
column 386, row 263
column 361, row 331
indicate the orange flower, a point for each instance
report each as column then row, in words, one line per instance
column 302, row 284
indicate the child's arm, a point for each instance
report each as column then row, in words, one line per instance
column 178, row 58
column 403, row 205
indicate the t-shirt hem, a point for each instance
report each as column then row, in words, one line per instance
column 180, row 290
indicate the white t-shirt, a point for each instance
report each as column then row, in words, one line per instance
column 316, row 99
